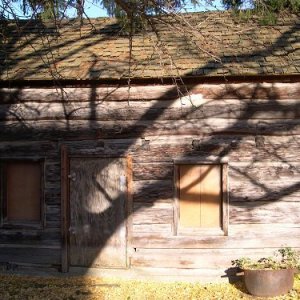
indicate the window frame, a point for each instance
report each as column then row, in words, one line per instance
column 223, row 230
column 4, row 222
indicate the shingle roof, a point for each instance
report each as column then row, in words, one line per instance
column 211, row 44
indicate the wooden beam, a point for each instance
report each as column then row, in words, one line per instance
column 207, row 241
column 129, row 204
column 64, row 209
column 189, row 80
column 244, row 90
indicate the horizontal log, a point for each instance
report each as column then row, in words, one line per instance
column 109, row 111
column 152, row 171
column 165, row 148
column 152, row 190
column 248, row 91
column 264, row 212
column 285, row 171
column 245, row 145
column 29, row 148
column 52, row 209
column 238, row 148
column 52, row 216
column 29, row 254
column 52, row 224
column 52, row 213
column 41, row 238
column 158, row 204
column 279, row 182
column 51, row 185
column 236, row 230
column 119, row 147
column 251, row 190
column 152, row 228
column 194, row 258
column 154, row 215
column 52, row 195
column 164, row 92
column 275, row 146
column 106, row 112
column 88, row 94
column 246, row 241
column 249, row 195
column 35, row 130
column 238, row 141
column 83, row 147
column 52, row 172
column 168, row 156
column 271, row 109
column 267, row 229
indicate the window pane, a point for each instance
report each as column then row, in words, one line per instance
column 23, row 191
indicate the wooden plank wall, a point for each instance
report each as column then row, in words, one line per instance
column 256, row 126
column 37, row 246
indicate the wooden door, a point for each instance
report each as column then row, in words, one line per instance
column 97, row 212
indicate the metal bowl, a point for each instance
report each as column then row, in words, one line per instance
column 269, row 283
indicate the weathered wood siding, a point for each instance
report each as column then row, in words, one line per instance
column 97, row 212
column 255, row 126
column 42, row 245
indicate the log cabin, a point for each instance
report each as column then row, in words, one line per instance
column 173, row 150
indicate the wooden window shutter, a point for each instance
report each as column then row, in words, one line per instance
column 200, row 196
column 23, row 191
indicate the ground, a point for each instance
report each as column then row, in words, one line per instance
column 90, row 288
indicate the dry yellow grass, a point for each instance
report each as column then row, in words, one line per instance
column 90, row 288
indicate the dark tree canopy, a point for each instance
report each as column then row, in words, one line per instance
column 137, row 9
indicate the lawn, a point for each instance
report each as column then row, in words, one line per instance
column 24, row 287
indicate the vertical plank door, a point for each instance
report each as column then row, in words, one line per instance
column 97, row 212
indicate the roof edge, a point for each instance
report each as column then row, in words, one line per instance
column 149, row 81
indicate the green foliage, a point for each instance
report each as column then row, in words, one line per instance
column 232, row 4
column 277, row 6
column 265, row 6
column 284, row 258
column 132, row 14
column 289, row 257
column 42, row 9
column 53, row 8
column 266, row 10
column 269, row 9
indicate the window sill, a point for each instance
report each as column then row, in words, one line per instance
column 200, row 232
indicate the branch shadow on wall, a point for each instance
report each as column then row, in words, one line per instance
column 218, row 128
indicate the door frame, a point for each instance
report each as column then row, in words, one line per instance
column 65, row 203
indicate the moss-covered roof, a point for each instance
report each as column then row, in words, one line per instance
column 201, row 44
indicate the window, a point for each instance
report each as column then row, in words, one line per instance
column 21, row 192
column 201, row 198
